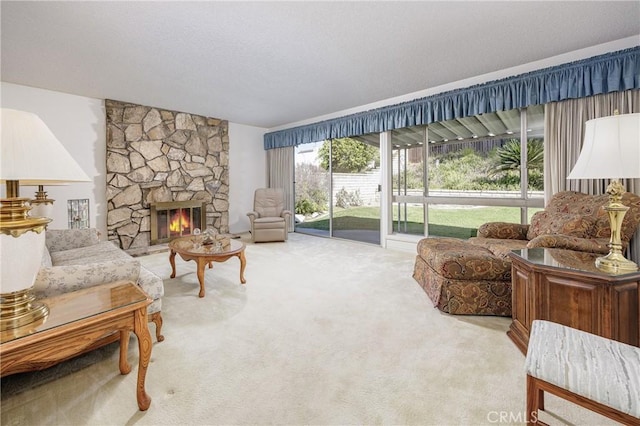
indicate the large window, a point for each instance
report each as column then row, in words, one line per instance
column 450, row 177
column 446, row 179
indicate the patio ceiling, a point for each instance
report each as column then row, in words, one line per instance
column 501, row 124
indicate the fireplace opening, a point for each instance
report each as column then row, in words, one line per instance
column 170, row 220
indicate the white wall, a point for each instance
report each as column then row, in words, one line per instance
column 247, row 171
column 80, row 123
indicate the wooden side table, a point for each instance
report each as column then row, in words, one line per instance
column 565, row 287
column 76, row 322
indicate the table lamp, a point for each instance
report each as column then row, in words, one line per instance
column 41, row 205
column 29, row 154
column 611, row 149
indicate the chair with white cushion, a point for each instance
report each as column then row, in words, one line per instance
column 600, row 374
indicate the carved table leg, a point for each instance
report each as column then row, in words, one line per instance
column 172, row 260
column 125, row 367
column 157, row 320
column 141, row 330
column 201, row 264
column 243, row 263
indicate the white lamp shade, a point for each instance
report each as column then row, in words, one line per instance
column 611, row 149
column 31, row 154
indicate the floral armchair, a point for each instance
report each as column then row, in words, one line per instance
column 571, row 220
column 474, row 276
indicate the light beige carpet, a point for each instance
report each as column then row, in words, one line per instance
column 324, row 332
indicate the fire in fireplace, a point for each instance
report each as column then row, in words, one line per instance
column 179, row 222
column 174, row 219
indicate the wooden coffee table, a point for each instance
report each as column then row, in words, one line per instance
column 192, row 248
column 78, row 322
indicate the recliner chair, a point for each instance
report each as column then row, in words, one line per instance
column 269, row 219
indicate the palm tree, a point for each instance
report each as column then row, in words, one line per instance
column 509, row 156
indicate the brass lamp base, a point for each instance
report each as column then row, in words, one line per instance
column 615, row 262
column 18, row 309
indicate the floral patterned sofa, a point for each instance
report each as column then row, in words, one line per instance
column 474, row 276
column 75, row 259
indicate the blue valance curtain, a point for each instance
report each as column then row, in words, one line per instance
column 611, row 72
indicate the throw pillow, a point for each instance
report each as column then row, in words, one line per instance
column 544, row 222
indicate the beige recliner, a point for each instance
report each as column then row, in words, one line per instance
column 269, row 219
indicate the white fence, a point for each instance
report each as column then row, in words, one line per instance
column 367, row 183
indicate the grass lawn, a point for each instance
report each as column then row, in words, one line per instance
column 449, row 222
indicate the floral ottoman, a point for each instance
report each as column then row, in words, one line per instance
column 463, row 278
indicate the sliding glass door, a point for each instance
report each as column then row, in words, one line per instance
column 312, row 188
column 356, row 187
column 338, row 187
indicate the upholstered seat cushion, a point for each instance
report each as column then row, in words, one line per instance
column 267, row 222
column 457, row 259
column 98, row 252
column 497, row 246
column 462, row 278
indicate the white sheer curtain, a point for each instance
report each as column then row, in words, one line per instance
column 563, row 136
column 280, row 162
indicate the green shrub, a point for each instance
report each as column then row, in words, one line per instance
column 467, row 170
column 306, row 206
column 458, row 172
column 312, row 185
column 346, row 199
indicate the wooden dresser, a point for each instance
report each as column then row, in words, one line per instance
column 565, row 287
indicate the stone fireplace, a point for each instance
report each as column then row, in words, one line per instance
column 156, row 156
column 175, row 219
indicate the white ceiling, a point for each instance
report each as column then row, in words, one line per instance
column 270, row 63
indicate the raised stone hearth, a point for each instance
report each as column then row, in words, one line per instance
column 155, row 155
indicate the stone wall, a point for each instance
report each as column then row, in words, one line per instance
column 155, row 155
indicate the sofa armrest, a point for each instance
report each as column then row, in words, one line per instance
column 503, row 230
column 253, row 216
column 560, row 241
column 285, row 214
column 66, row 239
column 63, row 279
